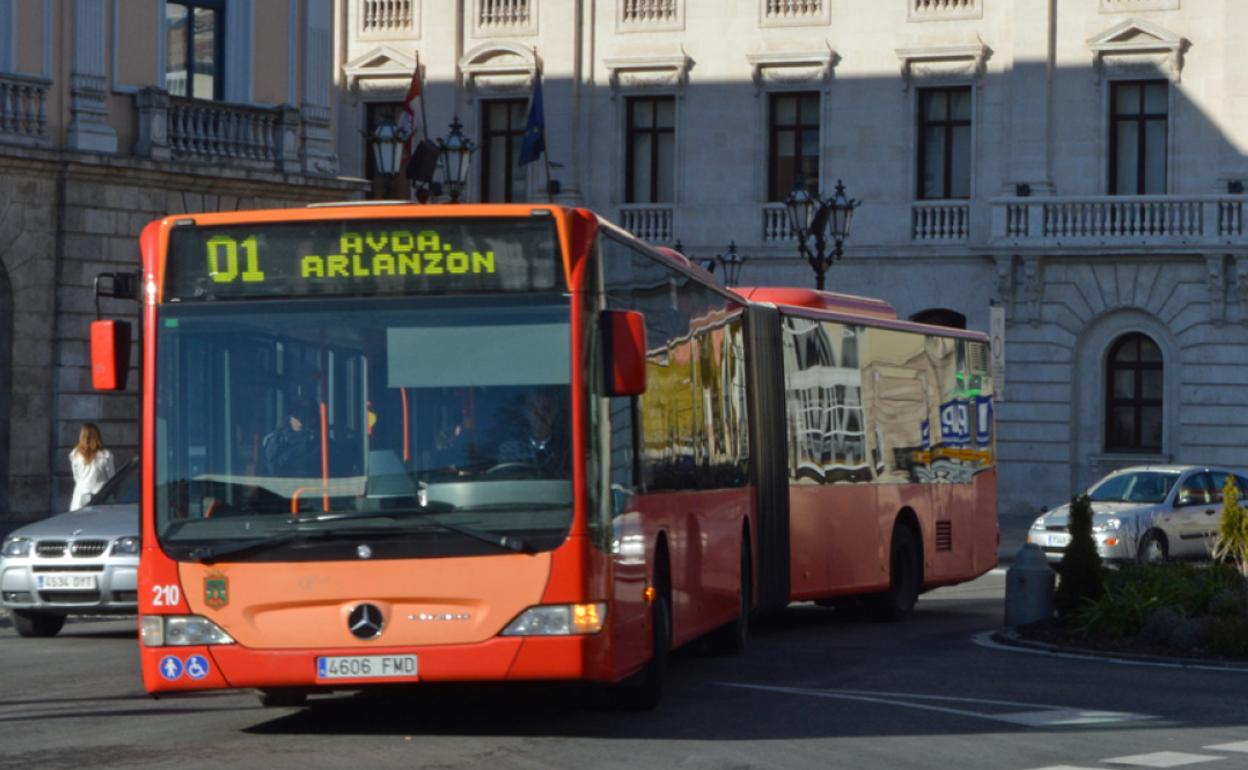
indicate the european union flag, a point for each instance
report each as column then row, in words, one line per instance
column 534, row 143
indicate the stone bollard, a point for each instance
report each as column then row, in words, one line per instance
column 1029, row 587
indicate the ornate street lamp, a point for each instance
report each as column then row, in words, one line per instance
column 731, row 263
column 388, row 139
column 813, row 219
column 456, row 152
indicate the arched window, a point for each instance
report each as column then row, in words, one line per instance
column 1133, row 395
column 939, row 316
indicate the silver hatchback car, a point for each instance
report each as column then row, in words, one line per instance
column 82, row 562
column 1146, row 514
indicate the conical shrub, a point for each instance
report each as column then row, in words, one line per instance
column 1081, row 573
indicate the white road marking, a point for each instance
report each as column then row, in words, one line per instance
column 1064, row 767
column 1033, row 715
column 998, row 571
column 985, row 640
column 1238, row 747
column 1162, row 759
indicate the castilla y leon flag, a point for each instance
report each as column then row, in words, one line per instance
column 534, row 143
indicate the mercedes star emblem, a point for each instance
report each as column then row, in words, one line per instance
column 365, row 621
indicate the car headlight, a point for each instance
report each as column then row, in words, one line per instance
column 558, row 620
column 126, row 546
column 181, row 631
column 1038, row 524
column 16, row 547
column 1108, row 525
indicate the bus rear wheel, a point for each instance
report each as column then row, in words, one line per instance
column 905, row 577
column 731, row 639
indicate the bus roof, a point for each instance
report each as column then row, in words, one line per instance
column 819, row 300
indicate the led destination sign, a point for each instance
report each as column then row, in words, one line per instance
column 362, row 257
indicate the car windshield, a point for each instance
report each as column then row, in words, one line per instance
column 122, row 488
column 419, row 421
column 1136, row 487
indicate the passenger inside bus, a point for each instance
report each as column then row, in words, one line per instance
column 293, row 450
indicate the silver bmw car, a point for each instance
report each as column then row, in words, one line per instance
column 1146, row 514
column 82, row 562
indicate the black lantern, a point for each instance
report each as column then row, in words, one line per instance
column 388, row 140
column 815, row 218
column 731, row 262
column 456, row 152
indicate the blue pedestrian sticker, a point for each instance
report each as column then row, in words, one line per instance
column 197, row 667
column 170, row 668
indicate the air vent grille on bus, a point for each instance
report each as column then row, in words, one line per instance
column 977, row 355
column 944, row 536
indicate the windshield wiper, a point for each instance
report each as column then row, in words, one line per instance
column 207, row 554
column 507, row 543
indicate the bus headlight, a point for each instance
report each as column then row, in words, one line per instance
column 181, row 631
column 17, row 547
column 558, row 620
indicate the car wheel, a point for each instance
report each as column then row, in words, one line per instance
column 1153, row 548
column 37, row 624
column 905, row 577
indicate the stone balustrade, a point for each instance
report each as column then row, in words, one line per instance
column 385, row 16
column 649, row 11
column 242, row 136
column 23, row 109
column 1119, row 220
column 940, row 221
column 650, row 222
column 776, row 225
column 495, row 14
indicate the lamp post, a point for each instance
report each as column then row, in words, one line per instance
column 814, row 219
column 387, row 138
column 456, row 151
column 731, row 263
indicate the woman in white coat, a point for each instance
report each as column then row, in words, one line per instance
column 92, row 465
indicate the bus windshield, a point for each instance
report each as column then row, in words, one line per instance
column 435, row 427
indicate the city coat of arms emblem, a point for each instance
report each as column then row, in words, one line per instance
column 216, row 590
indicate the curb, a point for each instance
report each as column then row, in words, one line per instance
column 1009, row 637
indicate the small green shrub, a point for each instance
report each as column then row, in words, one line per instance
column 1231, row 544
column 1081, row 571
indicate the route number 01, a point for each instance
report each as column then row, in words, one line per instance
column 223, row 259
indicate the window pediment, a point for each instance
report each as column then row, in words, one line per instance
column 642, row 73
column 381, row 69
column 939, row 65
column 793, row 68
column 498, row 68
column 1137, row 48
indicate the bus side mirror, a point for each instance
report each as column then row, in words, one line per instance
column 110, row 354
column 624, row 352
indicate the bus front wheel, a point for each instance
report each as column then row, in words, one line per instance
column 905, row 577
column 643, row 691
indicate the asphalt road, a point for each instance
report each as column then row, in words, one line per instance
column 815, row 690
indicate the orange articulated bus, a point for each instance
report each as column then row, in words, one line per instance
column 389, row 444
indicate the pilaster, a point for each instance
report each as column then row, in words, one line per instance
column 88, row 127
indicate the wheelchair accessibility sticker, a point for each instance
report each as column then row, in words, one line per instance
column 197, row 667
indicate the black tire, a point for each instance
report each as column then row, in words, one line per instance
column 731, row 639
column 905, row 577
column 283, row 698
column 37, row 624
column 1153, row 548
column 643, row 691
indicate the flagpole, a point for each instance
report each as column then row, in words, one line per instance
column 424, row 116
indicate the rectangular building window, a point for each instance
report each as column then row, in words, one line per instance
column 502, row 133
column 650, row 174
column 195, row 48
column 1139, row 114
column 944, row 143
column 793, row 146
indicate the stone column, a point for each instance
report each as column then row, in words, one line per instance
column 318, row 64
column 89, row 130
column 153, row 141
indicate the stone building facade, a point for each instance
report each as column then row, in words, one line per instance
column 100, row 133
column 1077, row 163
